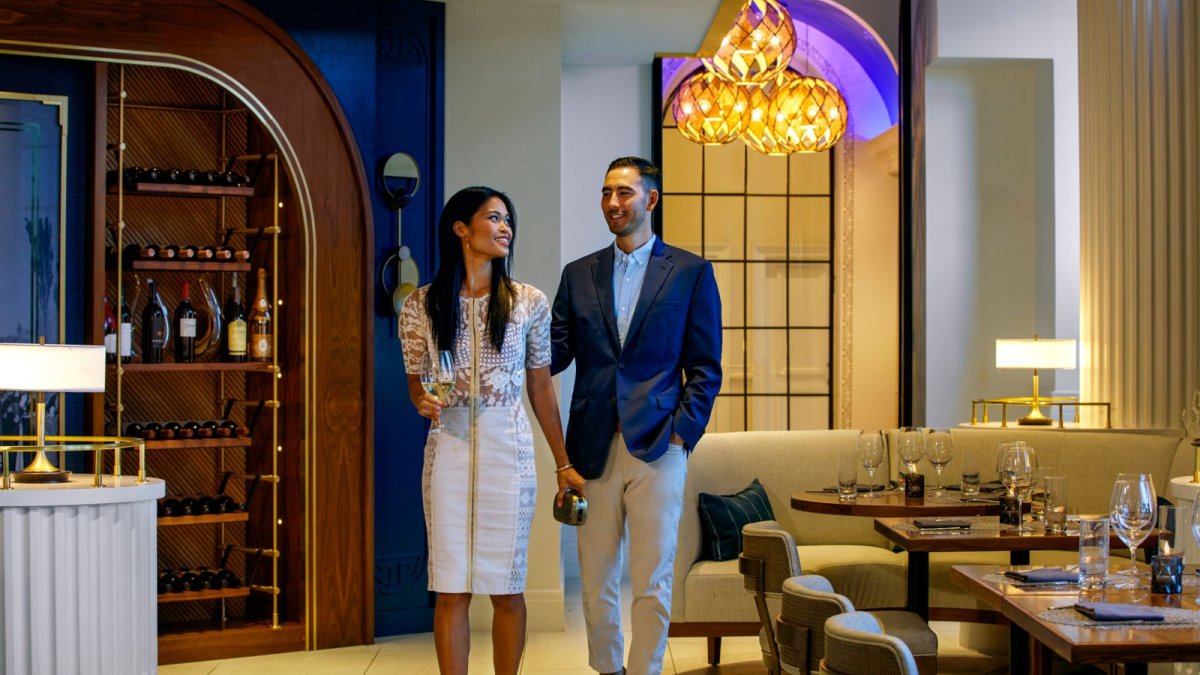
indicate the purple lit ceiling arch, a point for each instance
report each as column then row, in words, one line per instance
column 835, row 44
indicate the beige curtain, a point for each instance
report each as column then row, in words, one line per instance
column 1140, row 221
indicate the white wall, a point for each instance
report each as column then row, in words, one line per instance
column 503, row 98
column 976, row 157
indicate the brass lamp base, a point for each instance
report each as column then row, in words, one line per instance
column 1035, row 417
column 41, row 470
column 41, row 476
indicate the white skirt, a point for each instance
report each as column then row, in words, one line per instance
column 479, row 500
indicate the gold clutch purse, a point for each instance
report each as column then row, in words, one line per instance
column 573, row 510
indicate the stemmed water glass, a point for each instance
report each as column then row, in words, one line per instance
column 939, row 449
column 911, row 443
column 1132, row 512
column 1016, row 467
column 871, row 451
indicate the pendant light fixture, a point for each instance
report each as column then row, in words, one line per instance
column 709, row 110
column 758, row 47
column 780, row 111
column 807, row 114
column 760, row 131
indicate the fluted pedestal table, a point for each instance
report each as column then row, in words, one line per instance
column 77, row 577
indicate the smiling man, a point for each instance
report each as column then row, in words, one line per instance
column 642, row 321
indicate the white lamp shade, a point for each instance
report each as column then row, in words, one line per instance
column 1034, row 353
column 33, row 367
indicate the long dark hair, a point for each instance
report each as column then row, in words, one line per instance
column 442, row 299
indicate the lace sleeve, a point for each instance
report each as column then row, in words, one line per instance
column 537, row 332
column 414, row 331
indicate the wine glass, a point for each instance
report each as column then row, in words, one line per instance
column 911, row 443
column 871, row 452
column 437, row 375
column 1016, row 468
column 1132, row 511
column 940, row 451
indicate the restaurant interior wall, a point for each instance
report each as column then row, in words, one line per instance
column 976, row 34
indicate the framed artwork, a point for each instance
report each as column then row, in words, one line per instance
column 33, row 171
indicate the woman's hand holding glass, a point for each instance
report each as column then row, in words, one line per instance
column 437, row 379
column 1133, row 510
column 871, row 450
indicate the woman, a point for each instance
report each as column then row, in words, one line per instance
column 479, row 483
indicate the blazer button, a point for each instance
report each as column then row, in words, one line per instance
column 620, row 365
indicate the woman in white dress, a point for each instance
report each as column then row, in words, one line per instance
column 479, row 483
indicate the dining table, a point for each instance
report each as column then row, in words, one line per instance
column 1044, row 618
column 982, row 534
column 892, row 503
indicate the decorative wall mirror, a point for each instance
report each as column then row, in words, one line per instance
column 399, row 180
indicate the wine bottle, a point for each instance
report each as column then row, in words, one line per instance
column 168, row 252
column 208, row 429
column 223, row 431
column 192, row 582
column 208, row 504
column 152, row 430
column 230, row 254
column 228, row 579
column 208, row 578
column 125, row 339
column 223, row 254
column 194, row 252
column 154, row 327
column 189, row 176
column 110, row 333
column 165, row 431
column 188, row 506
column 171, row 508
column 185, row 325
column 173, row 430
column 235, row 327
column 139, row 252
column 172, row 175
column 226, row 504
column 234, row 429
column 134, row 430
column 182, row 430
column 262, row 347
column 153, row 175
column 165, row 580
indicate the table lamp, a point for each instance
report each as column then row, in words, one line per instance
column 41, row 368
column 1035, row 353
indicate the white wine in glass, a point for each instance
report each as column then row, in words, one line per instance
column 437, row 375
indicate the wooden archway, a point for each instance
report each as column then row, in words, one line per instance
column 242, row 50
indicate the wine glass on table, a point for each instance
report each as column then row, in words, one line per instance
column 871, row 451
column 939, row 449
column 1017, row 468
column 437, row 375
column 1132, row 512
column 911, row 442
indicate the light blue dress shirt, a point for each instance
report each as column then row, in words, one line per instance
column 629, row 270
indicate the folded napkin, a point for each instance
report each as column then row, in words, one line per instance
column 1115, row 611
column 942, row 523
column 1044, row 575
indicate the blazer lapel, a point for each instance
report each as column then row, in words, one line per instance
column 602, row 276
column 657, row 269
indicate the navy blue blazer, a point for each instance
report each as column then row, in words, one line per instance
column 666, row 377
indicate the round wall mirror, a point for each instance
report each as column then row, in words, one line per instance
column 399, row 179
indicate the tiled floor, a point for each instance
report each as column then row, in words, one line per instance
column 561, row 653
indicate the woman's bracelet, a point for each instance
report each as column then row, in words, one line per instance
column 564, row 468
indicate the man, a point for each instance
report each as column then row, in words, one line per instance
column 642, row 321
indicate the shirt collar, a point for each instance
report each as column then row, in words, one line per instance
column 639, row 256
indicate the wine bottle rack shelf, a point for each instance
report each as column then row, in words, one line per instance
column 189, row 266
column 187, row 443
column 178, row 190
column 172, row 521
column 215, row 366
column 192, row 596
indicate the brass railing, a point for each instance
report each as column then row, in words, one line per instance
column 1059, row 402
column 97, row 445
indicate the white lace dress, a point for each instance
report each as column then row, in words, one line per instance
column 479, row 484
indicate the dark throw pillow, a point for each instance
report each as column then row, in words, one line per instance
column 722, row 518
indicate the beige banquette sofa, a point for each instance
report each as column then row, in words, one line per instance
column 708, row 598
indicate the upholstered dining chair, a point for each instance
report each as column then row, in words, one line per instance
column 768, row 558
column 809, row 601
column 856, row 644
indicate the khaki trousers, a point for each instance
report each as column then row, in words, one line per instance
column 649, row 495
